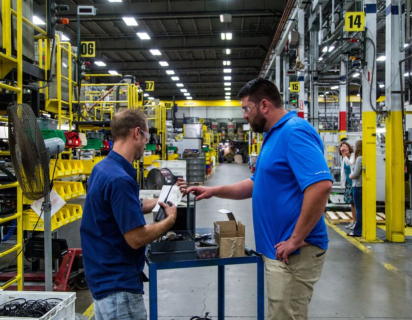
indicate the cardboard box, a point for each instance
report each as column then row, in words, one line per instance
column 230, row 236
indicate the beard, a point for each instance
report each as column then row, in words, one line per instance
column 258, row 123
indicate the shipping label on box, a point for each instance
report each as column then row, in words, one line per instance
column 230, row 236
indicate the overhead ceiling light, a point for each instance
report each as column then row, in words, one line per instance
column 358, row 95
column 227, row 78
column 163, row 63
column 226, row 17
column 227, row 84
column 38, row 21
column 227, row 63
column 406, row 74
column 325, row 49
column 227, row 93
column 150, row 98
column 381, row 58
column 331, row 48
column 226, row 36
column 327, row 92
column 227, row 70
column 175, row 78
column 183, row 90
column 189, row 98
column 381, row 86
column 187, row 94
column 143, row 35
column 406, row 45
column 170, row 72
column 320, row 59
column 334, row 87
column 113, row 72
column 146, row 95
column 228, row 89
column 355, row 75
column 115, row 0
column 64, row 65
column 130, row 21
column 155, row 52
column 228, row 51
column 64, row 38
column 180, row 85
column 100, row 63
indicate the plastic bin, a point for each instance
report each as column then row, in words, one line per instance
column 63, row 311
column 47, row 134
column 94, row 144
column 95, row 135
column 47, row 124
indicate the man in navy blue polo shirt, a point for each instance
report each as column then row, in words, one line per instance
column 289, row 191
column 113, row 230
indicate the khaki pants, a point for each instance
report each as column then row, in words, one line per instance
column 290, row 286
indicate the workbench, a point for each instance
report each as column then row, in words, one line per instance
column 220, row 263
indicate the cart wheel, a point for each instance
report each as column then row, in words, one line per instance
column 80, row 282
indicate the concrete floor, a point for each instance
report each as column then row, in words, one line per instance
column 366, row 281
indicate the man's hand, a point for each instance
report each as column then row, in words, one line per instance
column 201, row 192
column 182, row 184
column 170, row 211
column 285, row 248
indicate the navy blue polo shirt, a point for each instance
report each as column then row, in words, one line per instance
column 111, row 209
column 291, row 159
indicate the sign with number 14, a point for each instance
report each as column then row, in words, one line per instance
column 354, row 21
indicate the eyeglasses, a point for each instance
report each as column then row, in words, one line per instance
column 247, row 109
column 146, row 134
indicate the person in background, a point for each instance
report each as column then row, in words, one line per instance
column 356, row 176
column 348, row 159
column 289, row 191
column 113, row 230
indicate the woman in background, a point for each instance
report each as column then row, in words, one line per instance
column 356, row 177
column 348, row 159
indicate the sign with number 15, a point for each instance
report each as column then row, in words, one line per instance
column 294, row 87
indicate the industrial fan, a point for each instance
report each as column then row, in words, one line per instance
column 29, row 155
column 157, row 178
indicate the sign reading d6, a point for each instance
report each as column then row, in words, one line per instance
column 149, row 85
column 294, row 87
column 88, row 49
column 354, row 21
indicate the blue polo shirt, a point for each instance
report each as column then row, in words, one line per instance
column 111, row 209
column 291, row 159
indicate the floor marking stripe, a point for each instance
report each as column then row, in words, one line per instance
column 352, row 240
column 89, row 313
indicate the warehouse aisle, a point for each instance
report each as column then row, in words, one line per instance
column 355, row 284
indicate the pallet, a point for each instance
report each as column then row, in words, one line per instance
column 337, row 217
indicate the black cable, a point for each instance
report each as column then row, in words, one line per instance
column 21, row 307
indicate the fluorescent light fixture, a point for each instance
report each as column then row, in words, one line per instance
column 320, row 59
column 228, row 84
column 406, row 45
column 227, row 78
column 143, row 35
column 155, row 52
column 163, row 63
column 226, row 36
column 406, row 74
column 38, row 21
column 146, row 95
column 113, row 72
column 64, row 38
column 150, row 98
column 227, row 70
column 381, row 86
column 358, row 95
column 331, row 48
column 115, row 0
column 187, row 94
column 227, row 63
column 228, row 51
column 334, row 87
column 180, row 85
column 228, row 93
column 381, row 58
column 355, row 75
column 228, row 89
column 170, row 72
column 130, row 21
column 189, row 98
column 226, row 17
column 325, row 49
column 64, row 65
column 327, row 92
column 175, row 78
column 183, row 90
column 100, row 63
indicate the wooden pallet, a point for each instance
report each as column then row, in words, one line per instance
column 337, row 217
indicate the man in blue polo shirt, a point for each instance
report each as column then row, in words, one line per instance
column 113, row 230
column 289, row 191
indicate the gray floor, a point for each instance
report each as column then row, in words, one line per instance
column 354, row 284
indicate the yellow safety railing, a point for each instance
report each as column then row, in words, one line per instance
column 8, row 62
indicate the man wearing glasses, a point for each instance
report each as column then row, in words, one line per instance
column 113, row 229
column 289, row 191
